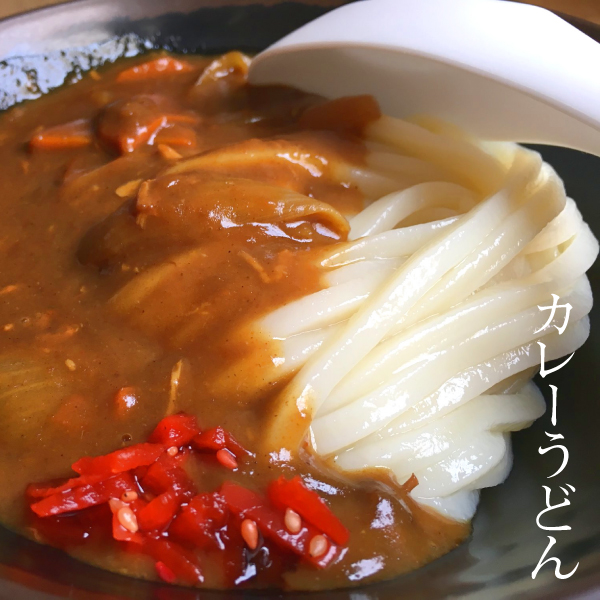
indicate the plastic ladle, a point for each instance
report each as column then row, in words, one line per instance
column 501, row 70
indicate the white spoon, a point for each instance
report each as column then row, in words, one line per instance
column 501, row 70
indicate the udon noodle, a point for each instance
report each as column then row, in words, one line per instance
column 417, row 356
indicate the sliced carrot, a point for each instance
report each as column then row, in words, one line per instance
column 125, row 400
column 129, row 123
column 72, row 414
column 148, row 132
column 166, row 65
column 76, row 134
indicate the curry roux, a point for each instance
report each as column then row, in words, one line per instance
column 108, row 280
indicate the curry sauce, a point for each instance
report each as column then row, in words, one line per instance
column 145, row 225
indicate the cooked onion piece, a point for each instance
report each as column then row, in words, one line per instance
column 30, row 393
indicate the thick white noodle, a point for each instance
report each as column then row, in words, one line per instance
column 390, row 244
column 483, row 309
column 365, row 415
column 417, row 355
column 387, row 212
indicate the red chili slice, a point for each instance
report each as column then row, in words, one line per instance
column 177, row 510
column 165, row 475
column 198, row 522
column 182, row 562
column 67, row 531
column 308, row 504
column 164, row 572
column 40, row 490
column 247, row 504
column 84, row 496
column 159, row 512
column 218, row 439
column 119, row 461
column 175, row 430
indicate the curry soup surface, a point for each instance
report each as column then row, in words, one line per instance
column 128, row 289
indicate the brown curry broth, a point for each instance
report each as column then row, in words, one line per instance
column 59, row 311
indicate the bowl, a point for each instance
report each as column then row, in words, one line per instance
column 46, row 47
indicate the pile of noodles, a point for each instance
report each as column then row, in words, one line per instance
column 417, row 356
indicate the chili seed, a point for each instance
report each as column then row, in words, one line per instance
column 128, row 519
column 250, row 533
column 129, row 496
column 227, row 459
column 318, row 546
column 172, row 451
column 292, row 520
column 115, row 504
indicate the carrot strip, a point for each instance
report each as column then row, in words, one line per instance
column 147, row 132
column 73, row 414
column 76, row 134
column 125, row 400
column 165, row 65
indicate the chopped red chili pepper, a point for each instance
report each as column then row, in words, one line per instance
column 119, row 461
column 39, row 490
column 92, row 525
column 218, row 439
column 84, row 496
column 166, row 475
column 159, row 512
column 248, row 504
column 198, row 522
column 175, row 430
column 161, row 501
column 308, row 504
column 164, row 572
column 182, row 562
